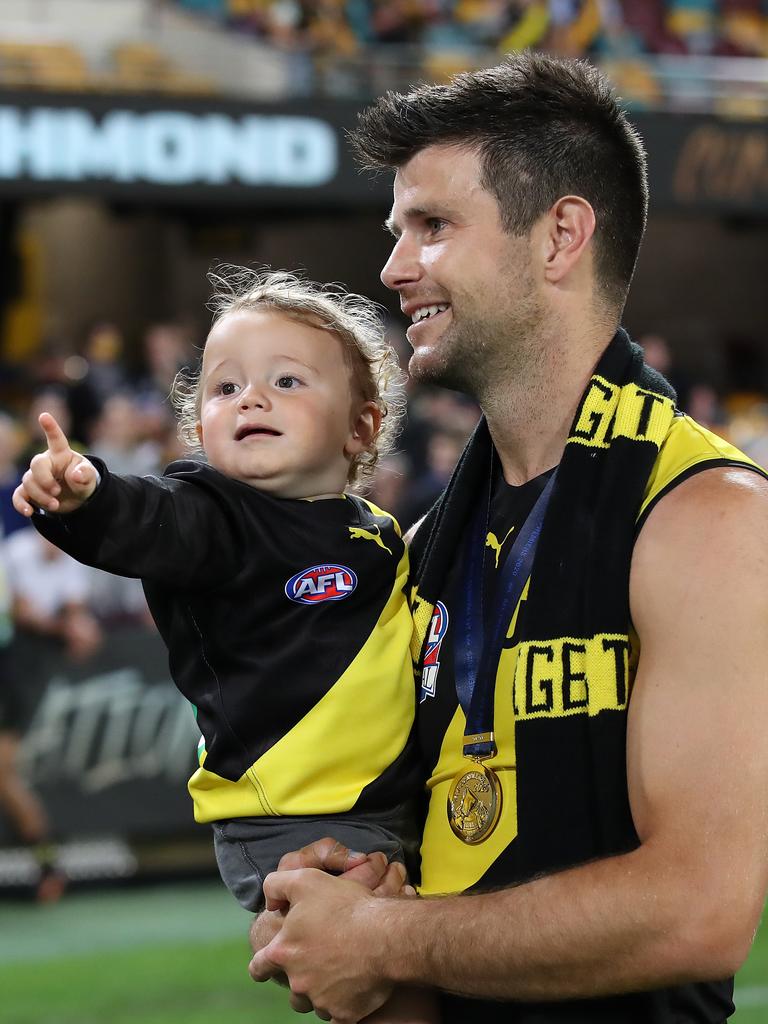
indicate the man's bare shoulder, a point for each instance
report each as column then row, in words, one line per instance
column 725, row 498
column 704, row 540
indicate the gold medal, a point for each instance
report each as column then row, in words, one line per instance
column 474, row 803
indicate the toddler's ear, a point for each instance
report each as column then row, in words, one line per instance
column 364, row 429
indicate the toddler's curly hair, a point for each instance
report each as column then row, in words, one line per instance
column 355, row 320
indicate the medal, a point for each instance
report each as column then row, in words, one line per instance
column 475, row 795
column 474, row 803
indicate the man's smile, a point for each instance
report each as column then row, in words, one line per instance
column 423, row 317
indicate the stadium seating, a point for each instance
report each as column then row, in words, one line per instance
column 43, row 66
column 141, row 67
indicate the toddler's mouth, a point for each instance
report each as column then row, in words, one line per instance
column 251, row 430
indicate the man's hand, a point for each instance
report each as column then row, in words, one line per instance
column 314, row 946
column 370, row 870
column 59, row 479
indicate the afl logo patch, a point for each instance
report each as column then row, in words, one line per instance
column 321, row 583
column 431, row 666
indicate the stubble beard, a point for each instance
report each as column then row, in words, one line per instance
column 452, row 361
column 482, row 355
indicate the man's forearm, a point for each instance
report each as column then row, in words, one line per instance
column 610, row 926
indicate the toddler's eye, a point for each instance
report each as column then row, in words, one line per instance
column 227, row 388
column 287, row 382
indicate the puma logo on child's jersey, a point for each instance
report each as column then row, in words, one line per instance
column 368, row 533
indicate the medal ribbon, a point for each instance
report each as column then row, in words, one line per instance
column 478, row 648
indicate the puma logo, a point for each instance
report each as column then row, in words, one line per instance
column 492, row 541
column 368, row 533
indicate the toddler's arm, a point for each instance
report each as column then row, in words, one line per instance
column 59, row 479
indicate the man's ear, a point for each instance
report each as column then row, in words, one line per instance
column 568, row 229
column 364, row 429
column 199, row 432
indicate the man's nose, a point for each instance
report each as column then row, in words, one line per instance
column 403, row 266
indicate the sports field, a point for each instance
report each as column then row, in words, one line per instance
column 171, row 955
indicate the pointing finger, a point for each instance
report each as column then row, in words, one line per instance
column 54, row 435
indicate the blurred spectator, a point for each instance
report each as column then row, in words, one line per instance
column 745, row 373
column 744, row 28
column 529, row 24
column 166, row 350
column 49, row 595
column 658, row 354
column 443, row 450
column 118, row 437
column 705, row 407
column 18, row 803
column 694, row 22
column 11, row 445
column 102, row 374
column 390, row 484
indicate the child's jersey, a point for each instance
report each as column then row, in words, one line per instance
column 287, row 628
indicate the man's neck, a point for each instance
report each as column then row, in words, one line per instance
column 530, row 416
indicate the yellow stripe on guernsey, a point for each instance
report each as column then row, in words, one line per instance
column 344, row 743
column 609, row 411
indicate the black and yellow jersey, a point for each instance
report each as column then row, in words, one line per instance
column 287, row 628
column 560, row 729
column 540, row 692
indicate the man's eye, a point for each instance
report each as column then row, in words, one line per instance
column 435, row 224
column 287, row 382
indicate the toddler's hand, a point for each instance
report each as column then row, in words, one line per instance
column 59, row 479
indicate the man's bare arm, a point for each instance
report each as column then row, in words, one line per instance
column 684, row 905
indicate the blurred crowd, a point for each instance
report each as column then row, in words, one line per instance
column 603, row 28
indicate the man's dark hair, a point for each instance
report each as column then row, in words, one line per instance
column 544, row 127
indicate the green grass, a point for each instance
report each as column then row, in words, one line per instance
column 173, row 955
column 163, row 984
column 752, row 983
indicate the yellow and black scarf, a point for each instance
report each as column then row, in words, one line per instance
column 580, row 580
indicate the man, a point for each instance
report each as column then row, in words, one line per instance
column 594, row 736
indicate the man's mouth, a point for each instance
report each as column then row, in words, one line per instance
column 251, row 431
column 424, row 312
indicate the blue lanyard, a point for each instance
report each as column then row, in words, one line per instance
column 478, row 648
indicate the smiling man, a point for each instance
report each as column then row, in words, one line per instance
column 594, row 733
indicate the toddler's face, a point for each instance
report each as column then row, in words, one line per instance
column 277, row 409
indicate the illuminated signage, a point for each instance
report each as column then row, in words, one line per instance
column 166, row 148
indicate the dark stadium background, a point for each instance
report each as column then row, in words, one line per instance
column 141, row 141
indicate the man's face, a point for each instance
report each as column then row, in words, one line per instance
column 464, row 282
